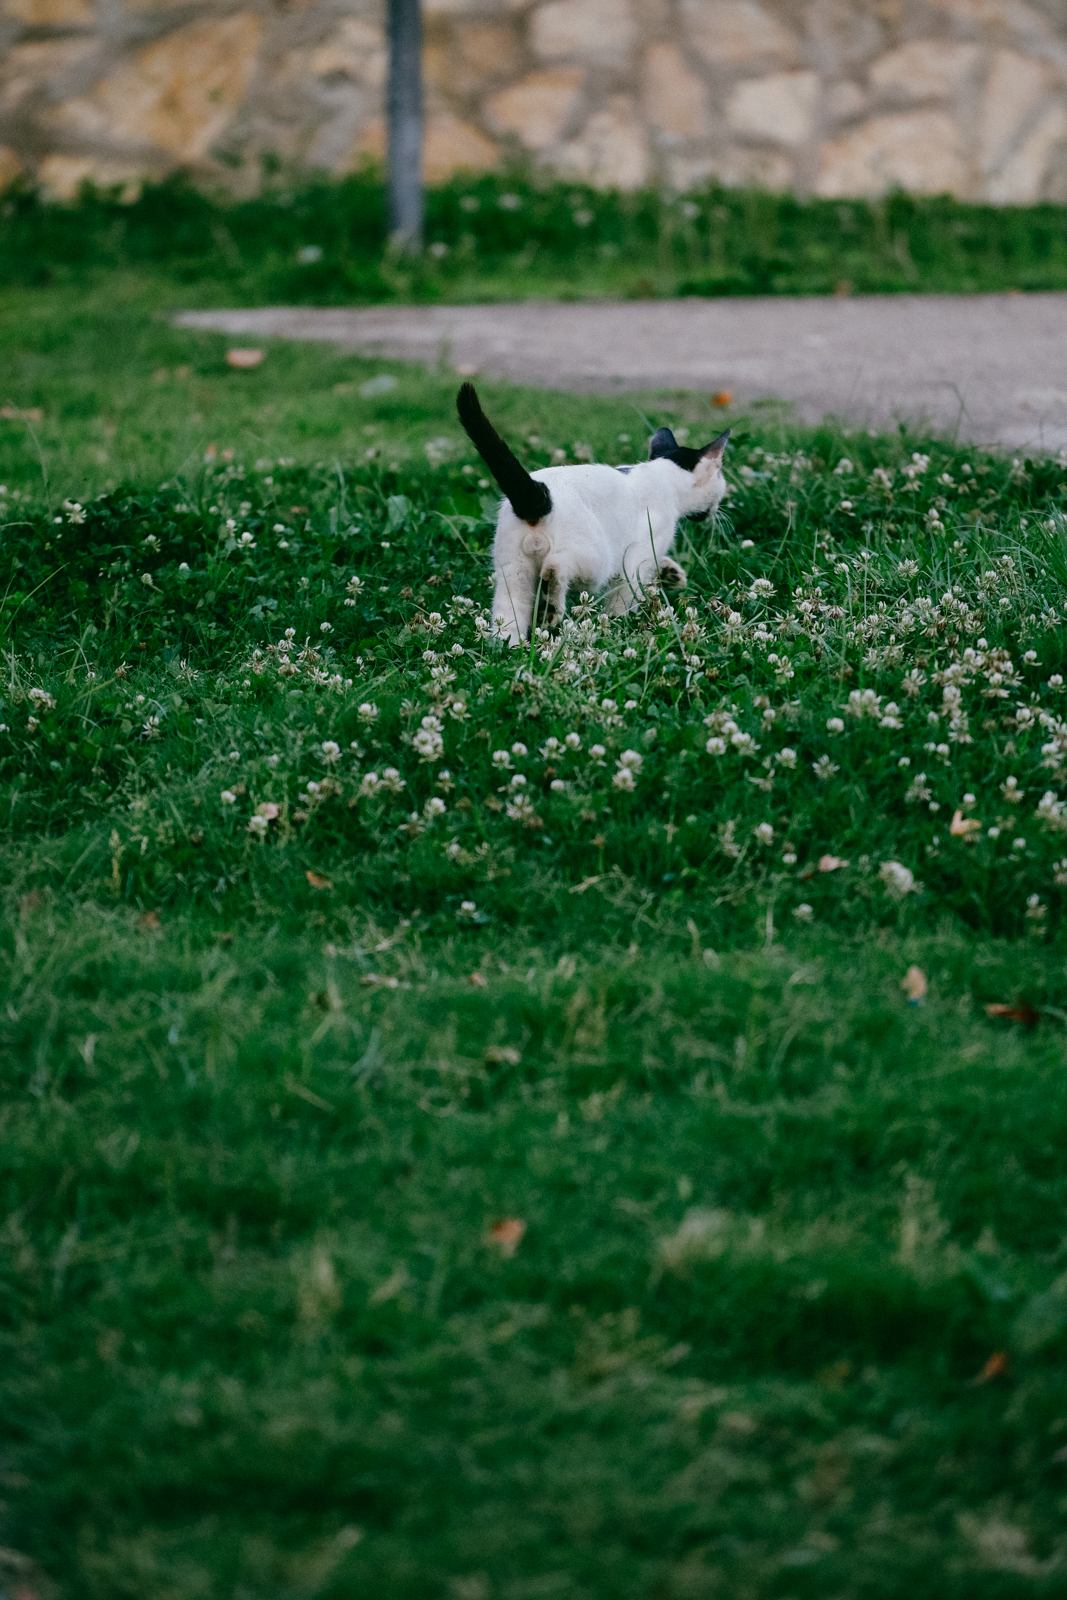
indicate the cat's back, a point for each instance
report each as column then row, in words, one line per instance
column 595, row 485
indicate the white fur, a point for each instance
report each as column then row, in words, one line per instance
column 607, row 530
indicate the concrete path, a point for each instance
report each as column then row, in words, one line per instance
column 993, row 366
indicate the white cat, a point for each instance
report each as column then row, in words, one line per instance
column 598, row 528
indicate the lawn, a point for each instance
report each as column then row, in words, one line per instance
column 491, row 1125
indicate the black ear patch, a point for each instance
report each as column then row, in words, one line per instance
column 662, row 443
column 683, row 456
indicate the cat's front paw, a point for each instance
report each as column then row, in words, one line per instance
column 671, row 575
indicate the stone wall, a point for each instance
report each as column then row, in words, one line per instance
column 835, row 97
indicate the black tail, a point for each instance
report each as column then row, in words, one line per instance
column 530, row 500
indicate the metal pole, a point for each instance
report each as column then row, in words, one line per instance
column 405, row 125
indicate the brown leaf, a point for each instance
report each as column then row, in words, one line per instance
column 245, row 358
column 913, row 984
column 148, row 922
column 478, row 980
column 317, row 881
column 963, row 827
column 721, row 397
column 831, row 863
column 995, row 1367
column 1021, row 1011
column 506, row 1235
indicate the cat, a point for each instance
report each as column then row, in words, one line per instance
column 608, row 530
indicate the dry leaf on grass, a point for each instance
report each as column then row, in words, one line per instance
column 478, row 980
column 995, row 1367
column 964, row 827
column 317, row 881
column 831, row 863
column 148, row 922
column 245, row 358
column 913, row 984
column 1021, row 1011
column 506, row 1235
column 721, row 397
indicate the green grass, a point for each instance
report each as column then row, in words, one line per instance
column 285, row 1036
column 505, row 236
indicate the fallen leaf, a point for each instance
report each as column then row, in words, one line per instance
column 506, row 1235
column 316, row 881
column 268, row 809
column 296, row 509
column 963, row 827
column 478, row 980
column 913, row 984
column 1020, row 1012
column 14, row 414
column 149, row 922
column 995, row 1367
column 245, row 358
column 721, row 397
column 831, row 863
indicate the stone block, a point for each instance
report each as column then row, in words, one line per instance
column 780, row 107
column 611, row 149
column 844, row 100
column 486, row 51
column 925, row 69
column 996, row 21
column 62, row 176
column 919, row 150
column 1015, row 88
column 450, row 145
column 10, row 166
column 355, row 49
column 603, row 31
column 1022, row 177
column 177, row 94
column 48, row 13
column 727, row 32
column 28, row 69
column 841, row 34
column 538, row 107
column 673, row 98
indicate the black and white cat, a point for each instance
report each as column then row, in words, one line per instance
column 604, row 529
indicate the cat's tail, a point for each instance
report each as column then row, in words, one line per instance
column 530, row 500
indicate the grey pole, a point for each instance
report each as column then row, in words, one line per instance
column 405, row 125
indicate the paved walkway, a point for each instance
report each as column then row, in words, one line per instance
column 993, row 366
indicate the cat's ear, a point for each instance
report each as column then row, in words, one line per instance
column 711, row 456
column 661, row 443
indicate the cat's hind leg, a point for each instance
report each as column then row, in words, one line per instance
column 513, row 600
column 557, row 575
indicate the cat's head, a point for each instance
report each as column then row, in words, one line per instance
column 706, row 485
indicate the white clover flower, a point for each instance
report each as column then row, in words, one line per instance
column 258, row 825
column 743, row 743
column 623, row 779
column 1018, row 844
column 325, row 627
column 804, row 912
column 371, row 783
column 272, row 760
column 824, row 768
column 75, row 511
column 367, row 712
column 32, row 725
column 845, row 465
column 573, row 741
column 835, row 725
column 787, row 757
column 597, row 752
column 898, row 880
column 519, row 749
column 631, row 759
column 558, row 785
column 43, row 701
column 228, row 797
column 891, row 716
column 501, row 759
column 629, row 654
column 246, row 541
column 427, row 741
column 456, row 650
column 762, row 589
column 789, row 858
column 629, row 705
column 1011, row 791
column 517, row 781
column 314, row 789
column 716, row 747
column 331, row 751
column 551, row 748
column 764, row 833
column 434, row 807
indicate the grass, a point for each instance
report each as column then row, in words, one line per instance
column 504, row 236
column 423, row 1183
